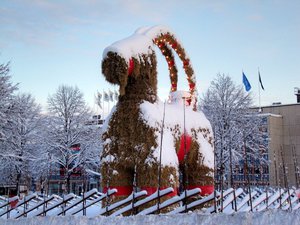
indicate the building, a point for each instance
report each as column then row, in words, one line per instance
column 282, row 123
column 283, row 126
column 80, row 179
column 279, row 125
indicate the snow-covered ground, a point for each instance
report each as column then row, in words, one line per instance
column 272, row 217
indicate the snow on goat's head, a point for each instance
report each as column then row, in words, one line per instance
column 129, row 57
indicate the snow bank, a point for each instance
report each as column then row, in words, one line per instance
column 276, row 217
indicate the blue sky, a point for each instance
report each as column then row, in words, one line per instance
column 61, row 42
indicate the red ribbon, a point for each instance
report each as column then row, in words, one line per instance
column 122, row 190
column 205, row 190
column 189, row 101
column 130, row 67
column 298, row 193
column 192, row 85
column 127, row 190
column 188, row 141
column 14, row 203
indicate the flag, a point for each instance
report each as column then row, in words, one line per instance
column 116, row 96
column 106, row 96
column 246, row 83
column 262, row 86
column 98, row 99
column 111, row 96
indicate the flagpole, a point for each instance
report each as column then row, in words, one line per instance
column 103, row 103
column 114, row 103
column 108, row 101
column 259, row 109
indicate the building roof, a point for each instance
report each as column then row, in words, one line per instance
column 276, row 104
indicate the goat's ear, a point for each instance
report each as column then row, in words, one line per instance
column 115, row 70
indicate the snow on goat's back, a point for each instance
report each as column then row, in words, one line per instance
column 152, row 114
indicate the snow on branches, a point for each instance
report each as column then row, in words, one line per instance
column 235, row 125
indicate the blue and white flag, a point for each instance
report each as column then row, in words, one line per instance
column 246, row 83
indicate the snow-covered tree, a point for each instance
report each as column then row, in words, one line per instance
column 7, row 89
column 236, row 127
column 21, row 145
column 72, row 143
